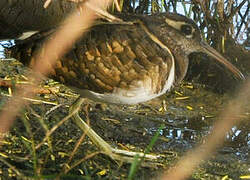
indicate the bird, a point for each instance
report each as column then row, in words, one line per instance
column 21, row 19
column 127, row 62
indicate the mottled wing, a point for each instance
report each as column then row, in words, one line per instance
column 112, row 57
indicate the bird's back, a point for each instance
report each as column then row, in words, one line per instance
column 112, row 62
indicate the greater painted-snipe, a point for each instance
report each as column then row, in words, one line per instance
column 128, row 63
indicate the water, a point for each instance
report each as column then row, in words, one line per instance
column 4, row 44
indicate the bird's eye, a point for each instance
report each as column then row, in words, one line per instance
column 187, row 30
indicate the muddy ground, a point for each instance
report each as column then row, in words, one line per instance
column 187, row 112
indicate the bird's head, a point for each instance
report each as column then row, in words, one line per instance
column 183, row 37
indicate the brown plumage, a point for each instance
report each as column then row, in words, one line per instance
column 128, row 62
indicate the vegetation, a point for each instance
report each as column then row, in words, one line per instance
column 43, row 144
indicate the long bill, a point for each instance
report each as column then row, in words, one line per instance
column 205, row 48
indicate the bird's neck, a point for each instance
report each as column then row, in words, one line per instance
column 181, row 66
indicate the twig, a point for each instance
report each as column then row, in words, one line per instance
column 83, row 159
column 230, row 17
column 48, row 134
column 35, row 89
column 34, row 100
column 12, row 167
column 242, row 22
